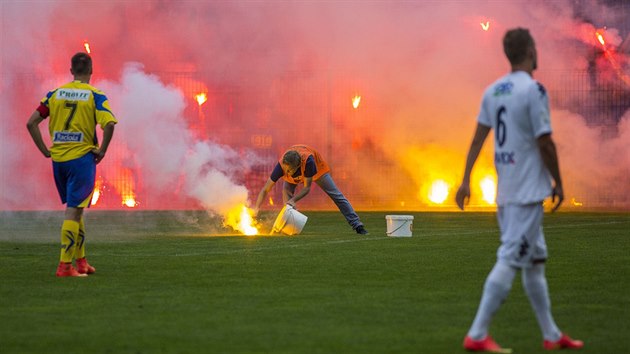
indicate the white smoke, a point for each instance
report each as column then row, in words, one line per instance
column 154, row 138
column 421, row 68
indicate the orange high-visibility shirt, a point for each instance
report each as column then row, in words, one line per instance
column 305, row 152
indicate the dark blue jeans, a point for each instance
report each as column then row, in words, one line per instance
column 327, row 184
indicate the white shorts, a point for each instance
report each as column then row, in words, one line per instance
column 522, row 238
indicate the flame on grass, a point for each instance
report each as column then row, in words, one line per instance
column 241, row 219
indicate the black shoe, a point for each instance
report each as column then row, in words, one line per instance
column 361, row 230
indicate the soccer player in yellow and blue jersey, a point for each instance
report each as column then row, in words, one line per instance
column 74, row 109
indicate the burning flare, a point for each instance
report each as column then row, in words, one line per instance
column 356, row 100
column 438, row 192
column 485, row 26
column 609, row 53
column 129, row 201
column 600, row 38
column 488, row 190
column 97, row 191
column 241, row 219
column 86, row 45
column 201, row 98
column 125, row 185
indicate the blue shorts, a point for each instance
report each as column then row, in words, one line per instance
column 75, row 180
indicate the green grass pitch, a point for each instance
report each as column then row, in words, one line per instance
column 170, row 282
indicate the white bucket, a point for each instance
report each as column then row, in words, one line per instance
column 289, row 221
column 399, row 225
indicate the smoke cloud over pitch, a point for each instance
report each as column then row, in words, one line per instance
column 284, row 73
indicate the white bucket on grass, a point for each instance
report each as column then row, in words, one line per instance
column 399, row 225
column 289, row 221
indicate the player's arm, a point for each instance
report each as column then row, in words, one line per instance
column 463, row 193
column 308, row 181
column 262, row 195
column 33, row 129
column 550, row 158
column 108, row 133
column 310, row 170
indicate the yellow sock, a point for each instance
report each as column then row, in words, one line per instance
column 69, row 235
column 79, row 251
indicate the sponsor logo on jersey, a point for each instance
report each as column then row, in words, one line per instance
column 504, row 158
column 73, row 94
column 504, row 88
column 67, row 137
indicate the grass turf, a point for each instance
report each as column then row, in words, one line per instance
column 166, row 283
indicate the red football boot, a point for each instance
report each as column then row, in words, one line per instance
column 485, row 345
column 565, row 342
column 84, row 267
column 67, row 270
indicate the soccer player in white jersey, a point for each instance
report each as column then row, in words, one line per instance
column 74, row 110
column 516, row 107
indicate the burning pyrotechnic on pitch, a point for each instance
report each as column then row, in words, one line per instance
column 356, row 101
column 241, row 219
column 438, row 192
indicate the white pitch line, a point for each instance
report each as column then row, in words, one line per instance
column 256, row 249
column 310, row 244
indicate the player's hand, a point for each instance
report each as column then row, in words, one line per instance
column 254, row 212
column 462, row 196
column 98, row 155
column 291, row 203
column 559, row 193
